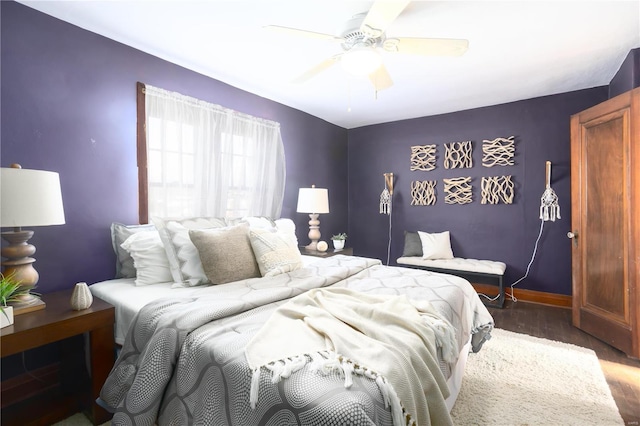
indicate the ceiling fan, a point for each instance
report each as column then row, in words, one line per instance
column 365, row 34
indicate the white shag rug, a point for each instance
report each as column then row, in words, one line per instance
column 520, row 380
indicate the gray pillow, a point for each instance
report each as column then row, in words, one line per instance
column 412, row 244
column 225, row 253
column 124, row 261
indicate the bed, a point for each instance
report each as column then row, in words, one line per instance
column 221, row 354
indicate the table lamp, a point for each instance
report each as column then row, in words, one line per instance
column 314, row 201
column 28, row 198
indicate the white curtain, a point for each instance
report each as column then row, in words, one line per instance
column 206, row 160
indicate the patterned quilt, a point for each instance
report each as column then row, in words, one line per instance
column 183, row 359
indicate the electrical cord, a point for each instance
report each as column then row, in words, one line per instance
column 389, row 244
column 28, row 372
column 533, row 256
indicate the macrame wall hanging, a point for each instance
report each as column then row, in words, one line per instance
column 423, row 157
column 386, row 196
column 457, row 190
column 423, row 193
column 549, row 206
column 497, row 189
column 457, row 155
column 386, row 199
column 498, row 152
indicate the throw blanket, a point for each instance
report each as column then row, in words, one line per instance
column 385, row 337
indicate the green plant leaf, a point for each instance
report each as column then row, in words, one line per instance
column 11, row 290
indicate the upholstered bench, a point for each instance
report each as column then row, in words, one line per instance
column 473, row 270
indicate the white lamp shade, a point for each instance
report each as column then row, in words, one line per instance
column 313, row 200
column 30, row 198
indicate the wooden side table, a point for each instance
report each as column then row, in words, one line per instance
column 55, row 323
column 347, row 251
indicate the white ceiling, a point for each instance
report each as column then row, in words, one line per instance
column 517, row 49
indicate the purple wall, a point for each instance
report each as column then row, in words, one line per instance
column 69, row 105
column 68, row 99
column 496, row 232
column 628, row 76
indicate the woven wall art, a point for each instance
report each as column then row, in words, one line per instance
column 423, row 157
column 457, row 190
column 496, row 190
column 457, row 155
column 423, row 193
column 498, row 152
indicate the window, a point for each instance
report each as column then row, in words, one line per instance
column 200, row 159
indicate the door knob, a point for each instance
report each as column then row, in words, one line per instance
column 573, row 236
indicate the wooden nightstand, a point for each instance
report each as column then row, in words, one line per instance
column 347, row 251
column 55, row 323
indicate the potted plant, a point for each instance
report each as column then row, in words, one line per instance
column 338, row 240
column 10, row 291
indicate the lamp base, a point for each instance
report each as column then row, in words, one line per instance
column 29, row 304
column 19, row 266
column 314, row 231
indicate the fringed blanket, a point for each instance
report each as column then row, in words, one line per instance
column 388, row 338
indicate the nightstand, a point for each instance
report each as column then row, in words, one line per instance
column 55, row 323
column 347, row 251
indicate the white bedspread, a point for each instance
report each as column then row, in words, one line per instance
column 183, row 362
column 128, row 298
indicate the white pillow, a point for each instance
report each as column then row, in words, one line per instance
column 119, row 234
column 149, row 258
column 184, row 260
column 276, row 252
column 436, row 246
column 287, row 226
column 259, row 222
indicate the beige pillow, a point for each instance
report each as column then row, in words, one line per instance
column 436, row 246
column 225, row 253
column 276, row 252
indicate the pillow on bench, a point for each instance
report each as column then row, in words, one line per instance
column 436, row 246
column 412, row 244
column 427, row 246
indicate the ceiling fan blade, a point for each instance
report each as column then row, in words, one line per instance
column 427, row 46
column 381, row 15
column 381, row 79
column 303, row 33
column 327, row 63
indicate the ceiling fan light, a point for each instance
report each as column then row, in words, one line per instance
column 361, row 60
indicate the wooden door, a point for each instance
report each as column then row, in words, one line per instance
column 605, row 202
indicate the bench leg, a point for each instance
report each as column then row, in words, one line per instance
column 499, row 303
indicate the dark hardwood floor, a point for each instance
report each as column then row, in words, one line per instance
column 554, row 323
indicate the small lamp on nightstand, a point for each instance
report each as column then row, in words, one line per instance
column 28, row 198
column 314, row 201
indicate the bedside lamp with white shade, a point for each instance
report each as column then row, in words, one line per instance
column 28, row 198
column 314, row 201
